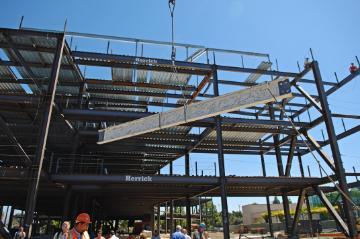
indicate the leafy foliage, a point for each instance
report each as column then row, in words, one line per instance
column 235, row 217
column 276, row 200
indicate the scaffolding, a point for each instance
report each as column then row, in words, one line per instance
column 46, row 94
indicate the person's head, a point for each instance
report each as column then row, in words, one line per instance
column 156, row 233
column 184, row 231
column 112, row 232
column 21, row 229
column 206, row 234
column 65, row 226
column 142, row 236
column 202, row 227
column 178, row 228
column 352, row 63
column 82, row 222
column 99, row 233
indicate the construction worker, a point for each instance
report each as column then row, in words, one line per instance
column 353, row 68
column 307, row 63
column 79, row 231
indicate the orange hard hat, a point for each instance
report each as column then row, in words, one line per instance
column 83, row 217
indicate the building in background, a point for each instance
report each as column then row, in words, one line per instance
column 253, row 213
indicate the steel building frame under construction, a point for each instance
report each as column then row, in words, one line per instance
column 53, row 118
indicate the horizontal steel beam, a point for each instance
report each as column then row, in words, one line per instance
column 284, row 123
column 345, row 116
column 102, row 82
column 235, row 152
column 140, row 84
column 260, row 94
column 111, row 60
column 193, row 180
column 115, row 38
column 138, row 93
column 176, row 139
column 151, row 42
column 35, row 65
column 313, row 82
column 242, row 83
column 32, row 48
column 31, row 32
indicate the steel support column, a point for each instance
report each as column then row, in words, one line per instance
column 188, row 214
column 158, row 219
column 281, row 173
column 152, row 220
column 308, row 207
column 297, row 212
column 200, row 209
column 171, row 206
column 1, row 213
column 290, row 156
column 267, row 198
column 187, row 164
column 11, row 217
column 340, row 172
column 36, row 167
column 223, row 193
column 166, row 223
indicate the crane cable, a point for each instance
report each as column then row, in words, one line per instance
column 173, row 50
column 171, row 4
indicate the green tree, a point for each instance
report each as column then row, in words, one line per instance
column 123, row 225
column 235, row 217
column 215, row 217
column 265, row 216
column 276, row 201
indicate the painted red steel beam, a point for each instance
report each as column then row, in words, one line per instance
column 202, row 84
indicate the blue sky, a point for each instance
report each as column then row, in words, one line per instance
column 284, row 29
